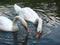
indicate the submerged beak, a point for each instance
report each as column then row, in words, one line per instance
column 37, row 35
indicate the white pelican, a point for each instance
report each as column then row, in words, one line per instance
column 7, row 25
column 30, row 15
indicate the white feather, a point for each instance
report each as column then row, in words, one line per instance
column 29, row 15
column 8, row 25
column 5, row 24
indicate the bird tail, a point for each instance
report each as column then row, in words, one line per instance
column 17, row 8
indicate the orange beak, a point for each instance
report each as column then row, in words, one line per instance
column 27, row 30
column 37, row 35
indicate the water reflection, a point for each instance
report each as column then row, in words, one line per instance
column 51, row 25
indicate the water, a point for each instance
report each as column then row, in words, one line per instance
column 51, row 25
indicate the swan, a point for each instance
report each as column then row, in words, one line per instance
column 30, row 15
column 8, row 25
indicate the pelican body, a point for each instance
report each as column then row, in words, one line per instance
column 30, row 15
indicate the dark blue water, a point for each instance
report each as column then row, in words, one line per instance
column 51, row 26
